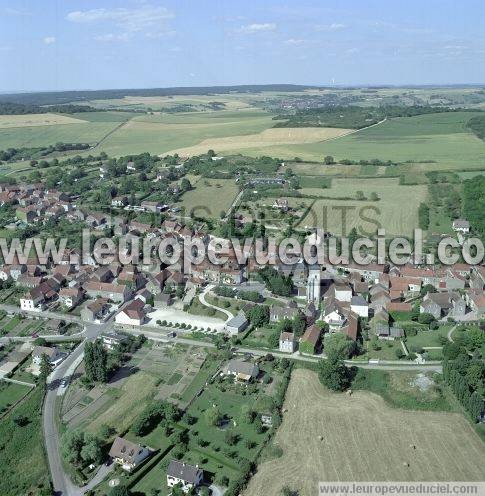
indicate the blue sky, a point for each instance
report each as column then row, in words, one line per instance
column 93, row 44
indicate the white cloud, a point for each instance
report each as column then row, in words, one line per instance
column 113, row 38
column 335, row 26
column 132, row 20
column 295, row 41
column 258, row 27
column 159, row 34
column 49, row 40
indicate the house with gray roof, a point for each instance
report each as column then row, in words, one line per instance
column 242, row 370
column 237, row 324
column 188, row 476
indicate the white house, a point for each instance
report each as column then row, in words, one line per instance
column 32, row 301
column 53, row 355
column 461, row 225
column 70, row 297
column 343, row 292
column 359, row 306
column 188, row 476
column 128, row 454
column 287, row 342
column 133, row 314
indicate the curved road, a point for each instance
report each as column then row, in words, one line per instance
column 60, row 479
column 207, row 304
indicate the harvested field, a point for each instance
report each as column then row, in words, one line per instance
column 360, row 438
column 268, row 137
column 36, row 120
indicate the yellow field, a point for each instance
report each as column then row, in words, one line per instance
column 7, row 121
column 333, row 437
column 268, row 137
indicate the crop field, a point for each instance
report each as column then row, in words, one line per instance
column 440, row 138
column 7, row 121
column 268, row 137
column 231, row 102
column 360, row 438
column 158, row 134
column 388, row 211
column 209, row 197
column 32, row 136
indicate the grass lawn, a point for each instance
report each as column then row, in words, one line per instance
column 386, row 351
column 428, row 338
column 209, row 197
column 11, row 393
column 24, row 468
column 217, row 457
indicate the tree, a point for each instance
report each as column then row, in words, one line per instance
column 71, row 446
column 333, row 374
column 374, row 196
column 338, row 346
column 359, row 195
column 119, row 491
column 212, row 416
column 185, row 184
column 328, row 160
column 45, row 370
column 92, row 450
column 426, row 318
column 95, row 362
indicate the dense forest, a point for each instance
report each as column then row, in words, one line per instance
column 9, row 108
column 351, row 117
column 473, row 204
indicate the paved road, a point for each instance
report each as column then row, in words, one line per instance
column 60, row 479
column 63, row 486
column 204, row 302
column 53, row 315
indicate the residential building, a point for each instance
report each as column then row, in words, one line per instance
column 188, row 476
column 241, row 370
column 133, row 314
column 287, row 342
column 128, row 454
column 53, row 355
column 310, row 340
column 112, row 340
column 461, row 225
column 237, row 324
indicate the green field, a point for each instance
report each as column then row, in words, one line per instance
column 442, row 138
column 24, row 467
column 159, row 134
column 10, row 393
column 209, row 197
column 388, row 211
